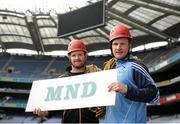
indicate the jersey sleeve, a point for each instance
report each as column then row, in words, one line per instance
column 146, row 90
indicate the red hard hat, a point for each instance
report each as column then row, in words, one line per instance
column 76, row 45
column 119, row 31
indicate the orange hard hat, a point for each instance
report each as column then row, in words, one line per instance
column 119, row 31
column 76, row 45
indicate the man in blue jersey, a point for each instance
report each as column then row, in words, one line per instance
column 134, row 86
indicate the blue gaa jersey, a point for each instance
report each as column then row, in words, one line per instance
column 131, row 107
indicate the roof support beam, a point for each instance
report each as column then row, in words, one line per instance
column 38, row 35
column 158, row 18
column 103, row 33
column 88, row 36
column 34, row 31
column 115, row 14
column 2, row 45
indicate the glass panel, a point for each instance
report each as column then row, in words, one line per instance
column 136, row 33
column 51, row 41
column 145, row 15
column 87, row 33
column 48, row 32
column 122, row 7
column 16, row 39
column 166, row 22
column 11, row 19
column 14, row 29
column 175, row 3
column 115, row 22
column 91, row 40
column 45, row 22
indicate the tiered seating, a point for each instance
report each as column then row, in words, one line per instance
column 43, row 67
column 3, row 60
column 59, row 65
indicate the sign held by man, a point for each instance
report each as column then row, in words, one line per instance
column 87, row 90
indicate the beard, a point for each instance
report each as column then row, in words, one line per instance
column 79, row 66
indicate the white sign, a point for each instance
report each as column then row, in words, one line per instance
column 86, row 90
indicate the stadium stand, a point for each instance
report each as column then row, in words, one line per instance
column 150, row 21
column 26, row 69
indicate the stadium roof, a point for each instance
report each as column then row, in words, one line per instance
column 149, row 21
